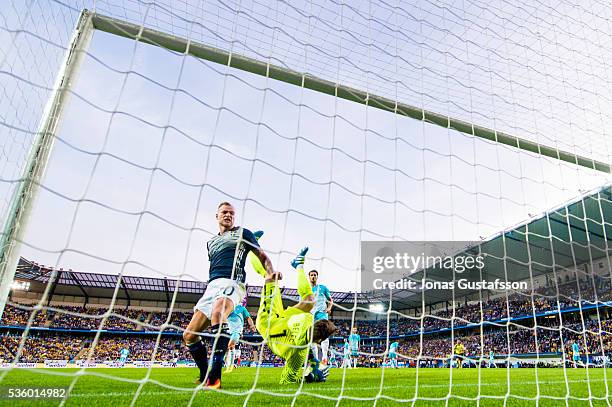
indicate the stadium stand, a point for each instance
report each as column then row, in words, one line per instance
column 582, row 314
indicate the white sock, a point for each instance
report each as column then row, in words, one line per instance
column 315, row 350
column 324, row 349
column 230, row 358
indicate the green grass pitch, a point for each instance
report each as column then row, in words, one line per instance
column 362, row 387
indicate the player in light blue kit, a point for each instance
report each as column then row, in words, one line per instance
column 346, row 355
column 123, row 355
column 393, row 355
column 575, row 354
column 322, row 307
column 492, row 359
column 235, row 322
column 353, row 341
column 333, row 362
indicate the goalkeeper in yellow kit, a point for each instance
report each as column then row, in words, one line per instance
column 290, row 331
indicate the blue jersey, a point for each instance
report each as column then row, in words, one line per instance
column 491, row 355
column 346, row 349
column 393, row 347
column 222, row 253
column 353, row 341
column 124, row 353
column 575, row 349
column 322, row 295
column 235, row 320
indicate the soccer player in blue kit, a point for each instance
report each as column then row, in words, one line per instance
column 354, row 340
column 227, row 253
column 236, row 321
column 575, row 354
column 321, row 309
column 123, row 355
column 393, row 355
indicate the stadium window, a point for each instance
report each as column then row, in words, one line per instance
column 20, row 285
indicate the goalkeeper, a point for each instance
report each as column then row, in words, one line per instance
column 287, row 331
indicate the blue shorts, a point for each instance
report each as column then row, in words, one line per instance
column 235, row 337
column 320, row 315
column 354, row 352
column 576, row 358
column 122, row 359
column 392, row 355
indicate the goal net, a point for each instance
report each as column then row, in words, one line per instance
column 356, row 129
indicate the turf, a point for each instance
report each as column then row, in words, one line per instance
column 362, row 386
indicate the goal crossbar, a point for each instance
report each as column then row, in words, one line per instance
column 178, row 44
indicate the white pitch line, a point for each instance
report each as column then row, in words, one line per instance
column 329, row 389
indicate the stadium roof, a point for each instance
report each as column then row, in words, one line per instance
column 564, row 238
column 534, row 248
column 84, row 284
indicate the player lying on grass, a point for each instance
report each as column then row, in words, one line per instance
column 288, row 331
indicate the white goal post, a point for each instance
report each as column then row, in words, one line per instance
column 24, row 195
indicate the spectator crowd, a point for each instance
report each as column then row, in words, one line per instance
column 552, row 331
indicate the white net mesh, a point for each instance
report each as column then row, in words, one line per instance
column 153, row 139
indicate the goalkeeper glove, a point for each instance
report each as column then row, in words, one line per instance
column 317, row 375
column 258, row 234
column 300, row 258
